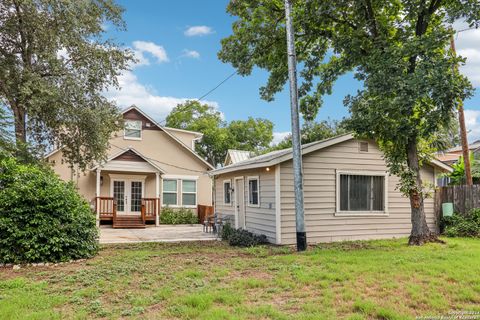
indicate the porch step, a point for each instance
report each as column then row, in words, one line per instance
column 128, row 222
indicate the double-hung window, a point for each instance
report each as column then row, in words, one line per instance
column 361, row 193
column 133, row 129
column 253, row 194
column 227, row 192
column 189, row 193
column 170, row 192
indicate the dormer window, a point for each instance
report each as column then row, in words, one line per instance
column 133, row 130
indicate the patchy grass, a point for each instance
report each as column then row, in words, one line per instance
column 210, row 280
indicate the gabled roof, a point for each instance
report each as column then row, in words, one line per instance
column 235, row 156
column 166, row 130
column 279, row 156
column 129, row 149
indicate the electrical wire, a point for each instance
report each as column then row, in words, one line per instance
column 160, row 162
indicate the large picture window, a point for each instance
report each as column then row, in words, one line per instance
column 189, row 193
column 170, row 192
column 133, row 129
column 361, row 193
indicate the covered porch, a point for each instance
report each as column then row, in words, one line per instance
column 127, row 191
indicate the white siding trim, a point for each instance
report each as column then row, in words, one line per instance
column 179, row 176
column 278, row 207
column 340, row 213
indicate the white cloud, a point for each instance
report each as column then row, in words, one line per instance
column 198, row 31
column 279, row 136
column 134, row 92
column 191, row 54
column 472, row 121
column 155, row 50
column 467, row 45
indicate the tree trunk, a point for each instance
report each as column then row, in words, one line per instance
column 420, row 232
column 20, row 125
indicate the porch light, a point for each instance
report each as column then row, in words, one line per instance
column 268, row 169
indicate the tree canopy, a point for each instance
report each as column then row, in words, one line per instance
column 54, row 66
column 312, row 131
column 398, row 49
column 218, row 135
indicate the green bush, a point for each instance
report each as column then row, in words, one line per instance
column 463, row 226
column 42, row 218
column 178, row 216
column 241, row 237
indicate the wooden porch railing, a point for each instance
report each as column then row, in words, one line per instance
column 106, row 207
column 149, row 208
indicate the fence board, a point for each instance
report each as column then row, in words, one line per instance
column 463, row 197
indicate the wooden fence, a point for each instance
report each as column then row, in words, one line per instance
column 204, row 211
column 463, row 197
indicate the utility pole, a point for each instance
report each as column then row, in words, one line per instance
column 463, row 129
column 297, row 148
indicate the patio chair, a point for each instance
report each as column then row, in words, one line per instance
column 209, row 223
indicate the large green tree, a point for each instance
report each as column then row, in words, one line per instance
column 54, row 66
column 218, row 136
column 397, row 48
column 312, row 131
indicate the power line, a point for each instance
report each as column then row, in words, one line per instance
column 218, row 85
column 165, row 163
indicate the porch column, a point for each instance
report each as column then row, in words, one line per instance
column 97, row 195
column 157, row 196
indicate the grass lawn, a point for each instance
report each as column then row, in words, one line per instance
column 210, row 280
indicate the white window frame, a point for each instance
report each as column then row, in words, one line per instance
column 170, row 192
column 133, row 138
column 382, row 213
column 258, row 191
column 182, row 192
column 229, row 181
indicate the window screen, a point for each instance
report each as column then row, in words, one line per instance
column 253, row 191
column 170, row 192
column 227, row 197
column 362, row 193
column 189, row 192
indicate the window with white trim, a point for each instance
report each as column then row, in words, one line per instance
column 133, row 129
column 253, row 194
column 227, row 192
column 189, row 193
column 169, row 192
column 361, row 193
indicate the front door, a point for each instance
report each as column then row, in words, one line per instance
column 128, row 194
column 240, row 203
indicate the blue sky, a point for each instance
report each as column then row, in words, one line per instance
column 177, row 44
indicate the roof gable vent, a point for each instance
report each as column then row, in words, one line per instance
column 363, row 146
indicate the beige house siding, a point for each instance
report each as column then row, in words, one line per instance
column 161, row 149
column 322, row 225
column 261, row 219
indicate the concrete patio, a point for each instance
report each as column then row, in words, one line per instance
column 164, row 233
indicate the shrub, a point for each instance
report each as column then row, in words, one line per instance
column 179, row 216
column 42, row 218
column 463, row 226
column 241, row 237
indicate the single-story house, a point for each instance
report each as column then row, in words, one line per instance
column 348, row 193
column 148, row 167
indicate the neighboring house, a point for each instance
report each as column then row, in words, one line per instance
column 347, row 192
column 234, row 156
column 148, row 166
column 452, row 155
